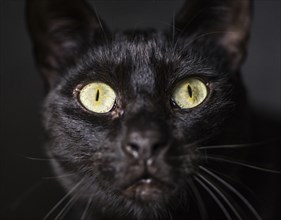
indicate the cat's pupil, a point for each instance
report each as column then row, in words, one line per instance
column 189, row 90
column 97, row 95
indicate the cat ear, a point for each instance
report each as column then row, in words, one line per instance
column 226, row 21
column 60, row 31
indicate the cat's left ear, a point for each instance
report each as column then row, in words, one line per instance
column 61, row 30
column 227, row 22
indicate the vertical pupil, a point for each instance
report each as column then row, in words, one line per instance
column 97, row 95
column 189, row 90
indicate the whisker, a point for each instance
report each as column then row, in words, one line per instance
column 224, row 210
column 236, row 145
column 66, row 207
column 229, row 178
column 201, row 205
column 222, row 196
column 100, row 23
column 170, row 215
column 42, row 159
column 226, row 146
column 238, row 194
column 86, row 208
column 62, row 199
column 57, row 177
column 173, row 26
column 244, row 164
column 189, row 146
column 38, row 159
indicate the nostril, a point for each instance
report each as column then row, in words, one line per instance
column 144, row 144
column 132, row 149
column 157, row 147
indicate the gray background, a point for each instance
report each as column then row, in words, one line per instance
column 21, row 89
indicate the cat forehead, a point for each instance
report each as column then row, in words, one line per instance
column 142, row 60
column 144, row 48
column 137, row 46
column 143, row 51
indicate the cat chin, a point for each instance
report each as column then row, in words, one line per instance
column 148, row 199
column 156, row 206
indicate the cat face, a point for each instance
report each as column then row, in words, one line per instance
column 164, row 97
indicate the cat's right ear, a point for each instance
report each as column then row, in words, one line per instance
column 61, row 30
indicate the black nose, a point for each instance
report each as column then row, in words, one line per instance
column 145, row 143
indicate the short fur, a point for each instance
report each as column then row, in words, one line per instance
column 73, row 47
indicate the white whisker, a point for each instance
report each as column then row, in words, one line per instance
column 66, row 207
column 222, row 196
column 173, row 25
column 38, row 159
column 62, row 199
column 201, row 205
column 86, row 208
column 236, row 145
column 238, row 194
column 244, row 164
column 226, row 213
column 57, row 177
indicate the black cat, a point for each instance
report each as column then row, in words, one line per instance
column 149, row 124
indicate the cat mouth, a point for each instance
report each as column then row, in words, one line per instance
column 145, row 189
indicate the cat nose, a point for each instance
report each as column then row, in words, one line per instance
column 144, row 144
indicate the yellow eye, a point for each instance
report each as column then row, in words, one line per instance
column 97, row 97
column 190, row 93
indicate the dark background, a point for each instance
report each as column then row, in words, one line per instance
column 26, row 193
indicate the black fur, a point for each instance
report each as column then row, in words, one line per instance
column 143, row 68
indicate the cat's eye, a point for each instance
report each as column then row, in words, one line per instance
column 97, row 97
column 190, row 93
